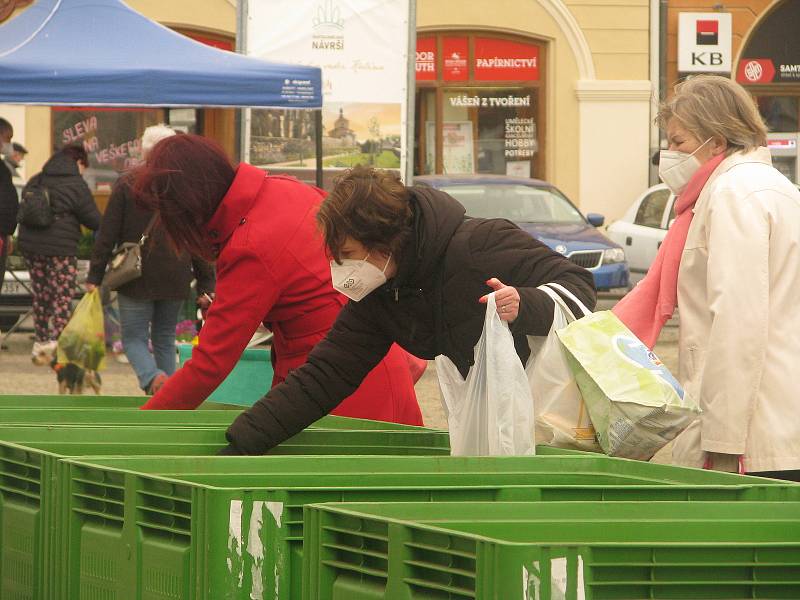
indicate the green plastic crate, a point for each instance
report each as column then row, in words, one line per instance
column 250, row 379
column 178, row 526
column 116, row 417
column 67, row 401
column 29, row 479
column 40, row 416
column 552, row 551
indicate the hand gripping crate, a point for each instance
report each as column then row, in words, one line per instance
column 29, row 479
column 231, row 527
column 552, row 551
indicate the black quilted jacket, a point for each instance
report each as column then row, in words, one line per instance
column 72, row 204
column 431, row 307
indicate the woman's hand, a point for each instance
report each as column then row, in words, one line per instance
column 90, row 287
column 204, row 302
column 506, row 298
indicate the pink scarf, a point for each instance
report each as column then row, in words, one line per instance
column 651, row 304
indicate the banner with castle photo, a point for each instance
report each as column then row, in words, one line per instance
column 362, row 48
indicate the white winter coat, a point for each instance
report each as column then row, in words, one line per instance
column 739, row 303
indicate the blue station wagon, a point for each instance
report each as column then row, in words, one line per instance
column 545, row 213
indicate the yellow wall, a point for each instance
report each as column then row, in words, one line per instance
column 214, row 16
column 618, row 35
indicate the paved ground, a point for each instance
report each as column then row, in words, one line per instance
column 19, row 376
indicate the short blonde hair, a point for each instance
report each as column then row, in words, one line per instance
column 713, row 106
column 154, row 134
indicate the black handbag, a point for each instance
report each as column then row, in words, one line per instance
column 126, row 262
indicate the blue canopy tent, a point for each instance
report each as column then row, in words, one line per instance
column 103, row 53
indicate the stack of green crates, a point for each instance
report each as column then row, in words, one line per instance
column 233, row 527
column 572, row 550
column 101, row 500
column 34, row 440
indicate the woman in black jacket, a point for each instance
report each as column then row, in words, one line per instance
column 149, row 305
column 52, row 252
column 418, row 271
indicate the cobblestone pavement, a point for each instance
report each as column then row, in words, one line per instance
column 18, row 375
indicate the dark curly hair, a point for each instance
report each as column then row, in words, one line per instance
column 369, row 205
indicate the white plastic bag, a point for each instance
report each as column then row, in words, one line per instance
column 562, row 419
column 490, row 413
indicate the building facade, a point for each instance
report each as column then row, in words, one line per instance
column 764, row 58
column 554, row 89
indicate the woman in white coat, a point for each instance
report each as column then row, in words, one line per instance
column 733, row 266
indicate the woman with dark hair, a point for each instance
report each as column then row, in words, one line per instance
column 419, row 272
column 52, row 251
column 271, row 269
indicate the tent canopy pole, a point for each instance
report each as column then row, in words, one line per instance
column 318, row 140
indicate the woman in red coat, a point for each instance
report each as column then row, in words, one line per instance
column 271, row 268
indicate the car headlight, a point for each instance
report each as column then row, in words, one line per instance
column 613, row 255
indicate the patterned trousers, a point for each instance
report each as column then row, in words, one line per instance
column 53, row 280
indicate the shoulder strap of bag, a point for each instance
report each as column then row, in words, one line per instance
column 148, row 229
column 569, row 296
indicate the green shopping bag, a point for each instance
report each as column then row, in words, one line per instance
column 635, row 403
column 83, row 340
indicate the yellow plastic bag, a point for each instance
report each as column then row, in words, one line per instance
column 83, row 340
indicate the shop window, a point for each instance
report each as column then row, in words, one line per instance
column 779, row 112
column 479, row 105
column 487, row 130
column 425, row 145
column 111, row 137
column 651, row 210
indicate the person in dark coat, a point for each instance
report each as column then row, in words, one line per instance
column 9, row 201
column 271, row 269
column 52, row 252
column 419, row 271
column 149, row 305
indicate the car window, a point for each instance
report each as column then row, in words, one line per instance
column 671, row 214
column 651, row 210
column 515, row 202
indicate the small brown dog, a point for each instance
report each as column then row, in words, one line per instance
column 72, row 378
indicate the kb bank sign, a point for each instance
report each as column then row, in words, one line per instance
column 704, row 42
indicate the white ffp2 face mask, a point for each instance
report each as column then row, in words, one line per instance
column 356, row 278
column 676, row 168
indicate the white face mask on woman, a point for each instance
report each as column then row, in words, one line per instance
column 357, row 278
column 676, row 168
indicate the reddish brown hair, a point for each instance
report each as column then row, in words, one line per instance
column 370, row 206
column 184, row 179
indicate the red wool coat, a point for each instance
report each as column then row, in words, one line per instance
column 272, row 268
